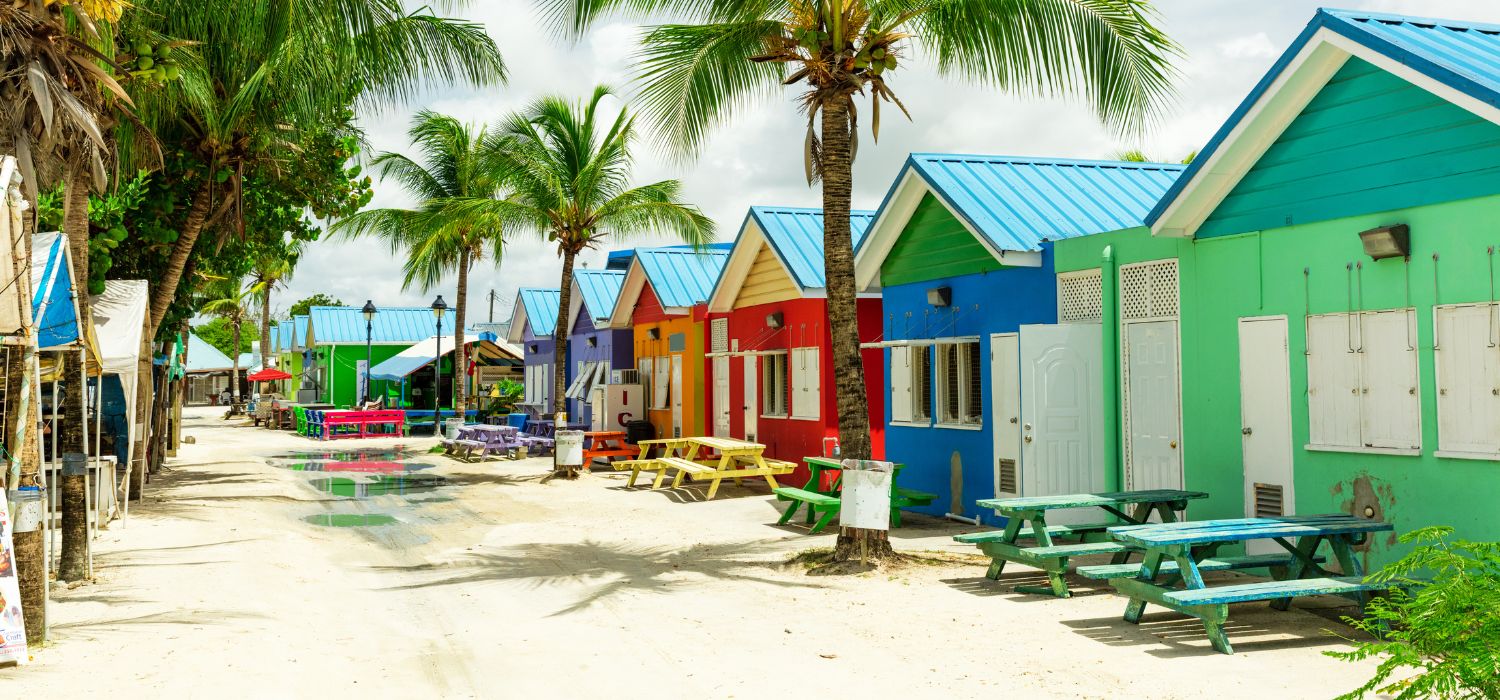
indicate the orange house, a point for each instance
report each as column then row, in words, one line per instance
column 663, row 302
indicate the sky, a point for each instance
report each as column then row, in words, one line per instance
column 755, row 159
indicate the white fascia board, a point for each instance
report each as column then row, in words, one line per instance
column 737, row 268
column 630, row 293
column 517, row 321
column 1288, row 95
column 575, row 303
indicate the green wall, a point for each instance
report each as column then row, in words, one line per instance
column 343, row 360
column 934, row 245
column 1261, row 274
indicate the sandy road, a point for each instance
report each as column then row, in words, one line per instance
column 492, row 584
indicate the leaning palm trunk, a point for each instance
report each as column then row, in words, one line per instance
column 460, row 365
column 234, row 366
column 30, row 552
column 74, row 565
column 560, row 350
column 182, row 249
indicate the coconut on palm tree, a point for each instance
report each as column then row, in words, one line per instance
column 437, row 241
column 565, row 169
column 715, row 58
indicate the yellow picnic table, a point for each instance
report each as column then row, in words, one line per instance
column 736, row 460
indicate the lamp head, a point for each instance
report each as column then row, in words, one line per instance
column 369, row 311
column 439, row 307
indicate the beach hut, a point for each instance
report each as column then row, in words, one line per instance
column 994, row 362
column 490, row 359
column 206, row 370
column 770, row 358
column 336, row 339
column 662, row 302
column 119, row 323
column 533, row 324
column 1320, row 279
column 595, row 349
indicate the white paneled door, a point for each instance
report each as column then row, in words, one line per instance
column 1062, row 438
column 1265, row 422
column 751, row 406
column 1005, row 373
column 721, row 396
column 677, row 396
column 1153, row 408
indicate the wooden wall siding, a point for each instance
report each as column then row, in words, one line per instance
column 647, row 308
column 1368, row 142
column 767, row 282
column 933, row 245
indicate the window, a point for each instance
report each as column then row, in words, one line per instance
column 1466, row 354
column 958, row 388
column 806, row 383
column 773, row 385
column 911, row 384
column 661, row 392
column 644, row 377
column 1362, row 389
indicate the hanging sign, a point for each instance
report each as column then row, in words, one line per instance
column 12, row 624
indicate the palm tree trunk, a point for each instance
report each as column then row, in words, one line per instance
column 182, row 249
column 266, row 351
column 560, row 347
column 460, row 366
column 31, row 566
column 145, row 386
column 843, row 319
column 74, row 565
column 234, row 367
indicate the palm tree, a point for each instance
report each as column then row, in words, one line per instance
column 719, row 56
column 566, row 171
column 272, row 267
column 435, row 240
column 265, row 68
column 224, row 297
column 1136, row 155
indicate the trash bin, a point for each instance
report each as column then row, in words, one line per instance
column 516, row 420
column 28, row 509
column 452, row 426
column 570, row 448
column 866, row 494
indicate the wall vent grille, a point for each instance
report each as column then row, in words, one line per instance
column 1148, row 290
column 1080, row 296
column 1268, row 501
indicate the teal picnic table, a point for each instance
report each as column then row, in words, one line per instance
column 1176, row 554
column 823, row 502
column 1027, row 519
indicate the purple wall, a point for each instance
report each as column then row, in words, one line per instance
column 540, row 355
column 612, row 345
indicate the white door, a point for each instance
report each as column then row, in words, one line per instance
column 721, row 396
column 1265, row 422
column 752, row 397
column 1062, row 436
column 676, row 396
column 1153, row 411
column 1005, row 373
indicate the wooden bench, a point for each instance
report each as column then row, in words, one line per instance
column 908, row 498
column 1096, row 531
column 1277, row 563
column 823, row 505
column 1348, row 586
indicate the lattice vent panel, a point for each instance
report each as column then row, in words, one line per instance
column 1080, row 296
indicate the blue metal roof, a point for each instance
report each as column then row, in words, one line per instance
column 679, row 275
column 796, row 234
column 541, row 309
column 284, row 331
column 600, row 289
column 404, row 324
column 619, row 259
column 1462, row 55
column 1019, row 203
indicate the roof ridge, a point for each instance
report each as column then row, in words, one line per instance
column 1409, row 19
column 1041, row 160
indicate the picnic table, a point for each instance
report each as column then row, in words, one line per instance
column 821, row 494
column 1178, row 553
column 332, row 425
column 607, row 444
column 1027, row 519
column 736, row 459
column 487, row 439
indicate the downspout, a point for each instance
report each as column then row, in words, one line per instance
column 1109, row 320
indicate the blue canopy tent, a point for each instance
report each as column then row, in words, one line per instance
column 484, row 349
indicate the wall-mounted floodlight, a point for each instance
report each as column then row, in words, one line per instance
column 940, row 296
column 1387, row 242
column 775, row 319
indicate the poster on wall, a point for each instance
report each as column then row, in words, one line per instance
column 362, row 372
column 12, row 624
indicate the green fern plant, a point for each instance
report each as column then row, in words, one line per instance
column 1443, row 622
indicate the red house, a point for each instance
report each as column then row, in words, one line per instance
column 769, row 363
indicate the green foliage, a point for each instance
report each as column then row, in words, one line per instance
column 219, row 332
column 1444, row 620
column 510, row 393
column 107, row 219
column 320, row 299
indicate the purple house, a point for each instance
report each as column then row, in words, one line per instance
column 594, row 350
column 533, row 319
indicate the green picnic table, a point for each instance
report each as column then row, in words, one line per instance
column 1176, row 554
column 1027, row 519
column 823, row 502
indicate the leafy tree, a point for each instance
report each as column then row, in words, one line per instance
column 320, row 299
column 216, row 332
column 227, row 299
column 716, row 58
column 1441, row 624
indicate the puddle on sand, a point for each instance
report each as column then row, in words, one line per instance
column 351, row 519
column 379, row 485
column 363, row 466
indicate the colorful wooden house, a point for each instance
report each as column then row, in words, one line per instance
column 994, row 361
column 595, row 349
column 293, row 345
column 770, row 358
column 533, row 324
column 336, row 348
column 662, row 301
column 1309, row 325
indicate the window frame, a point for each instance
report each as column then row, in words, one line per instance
column 783, row 407
column 966, row 377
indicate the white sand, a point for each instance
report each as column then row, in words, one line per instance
column 501, row 586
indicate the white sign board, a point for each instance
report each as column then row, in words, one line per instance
column 12, row 623
column 866, row 495
column 362, row 375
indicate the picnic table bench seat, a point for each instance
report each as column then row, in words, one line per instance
column 1274, row 590
column 1091, row 529
column 823, row 505
column 1250, row 561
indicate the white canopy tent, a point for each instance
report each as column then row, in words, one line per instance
column 420, row 355
column 119, row 322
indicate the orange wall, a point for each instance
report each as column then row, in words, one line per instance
column 648, row 317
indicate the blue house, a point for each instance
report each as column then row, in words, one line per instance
column 595, row 349
column 533, row 324
column 995, row 362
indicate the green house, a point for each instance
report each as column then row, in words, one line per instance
column 1309, row 324
column 339, row 342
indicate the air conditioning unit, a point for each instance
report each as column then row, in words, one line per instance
column 625, row 376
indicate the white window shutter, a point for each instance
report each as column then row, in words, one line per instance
column 805, row 390
column 1468, row 379
column 1390, row 403
column 1333, row 397
column 901, row 384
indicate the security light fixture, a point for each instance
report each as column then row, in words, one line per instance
column 439, row 307
column 940, row 296
column 1387, row 242
column 592, row 342
column 653, row 333
column 775, row 319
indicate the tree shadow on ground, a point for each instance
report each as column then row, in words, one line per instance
column 1005, row 586
column 165, row 617
column 484, row 479
column 623, row 568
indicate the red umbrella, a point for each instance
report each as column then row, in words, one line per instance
column 270, row 374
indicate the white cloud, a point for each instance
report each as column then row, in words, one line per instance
column 1256, row 45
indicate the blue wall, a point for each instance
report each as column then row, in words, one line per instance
column 990, row 302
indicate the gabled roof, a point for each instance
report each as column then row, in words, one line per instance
column 680, row 277
column 401, row 325
column 1458, row 61
column 1012, row 205
column 202, row 357
column 299, row 332
column 284, row 330
column 595, row 291
column 795, row 236
column 535, row 306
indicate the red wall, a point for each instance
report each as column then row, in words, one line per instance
column 805, row 325
column 648, row 308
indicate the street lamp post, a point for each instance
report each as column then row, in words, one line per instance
column 369, row 311
column 438, row 309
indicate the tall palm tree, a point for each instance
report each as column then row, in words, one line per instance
column 224, row 297
column 266, row 67
column 718, row 56
column 436, row 241
column 566, row 171
column 272, row 268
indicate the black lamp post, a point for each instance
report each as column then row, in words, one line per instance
column 438, row 309
column 369, row 311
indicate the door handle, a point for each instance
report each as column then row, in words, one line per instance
column 1172, row 444
column 1245, row 431
column 1014, row 421
column 1027, row 438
